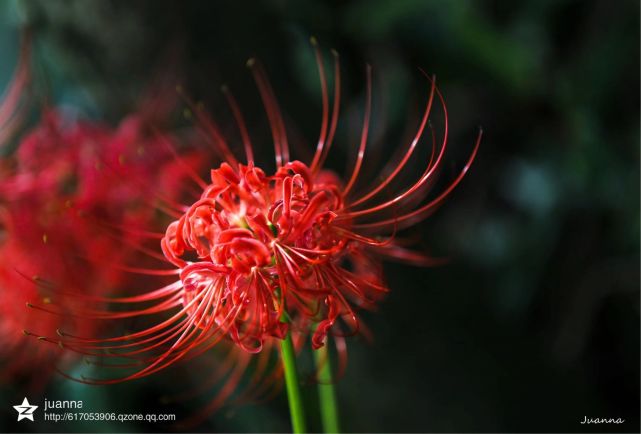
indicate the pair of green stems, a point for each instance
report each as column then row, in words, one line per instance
column 326, row 394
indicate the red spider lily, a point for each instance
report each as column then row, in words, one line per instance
column 261, row 254
column 56, row 190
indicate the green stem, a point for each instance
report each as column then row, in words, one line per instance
column 326, row 393
column 293, row 386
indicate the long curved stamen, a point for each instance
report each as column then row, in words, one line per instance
column 429, row 171
column 181, row 346
column 364, row 132
column 188, row 170
column 422, row 212
column 167, row 205
column 240, row 121
column 136, row 232
column 171, row 302
column 279, row 134
column 214, row 135
column 335, row 114
column 408, row 154
column 325, row 102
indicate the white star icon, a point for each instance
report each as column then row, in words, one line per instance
column 25, row 410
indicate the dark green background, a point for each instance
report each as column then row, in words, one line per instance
column 534, row 324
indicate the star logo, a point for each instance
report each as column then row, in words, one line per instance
column 25, row 410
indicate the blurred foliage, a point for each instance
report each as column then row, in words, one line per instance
column 534, row 323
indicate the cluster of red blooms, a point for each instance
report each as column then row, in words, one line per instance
column 59, row 191
column 261, row 255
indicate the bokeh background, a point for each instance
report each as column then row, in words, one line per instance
column 534, row 323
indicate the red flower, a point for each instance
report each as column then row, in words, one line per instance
column 259, row 254
column 59, row 191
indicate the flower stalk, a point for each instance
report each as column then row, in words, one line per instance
column 296, row 410
column 326, row 393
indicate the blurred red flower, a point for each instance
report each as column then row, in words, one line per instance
column 63, row 198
